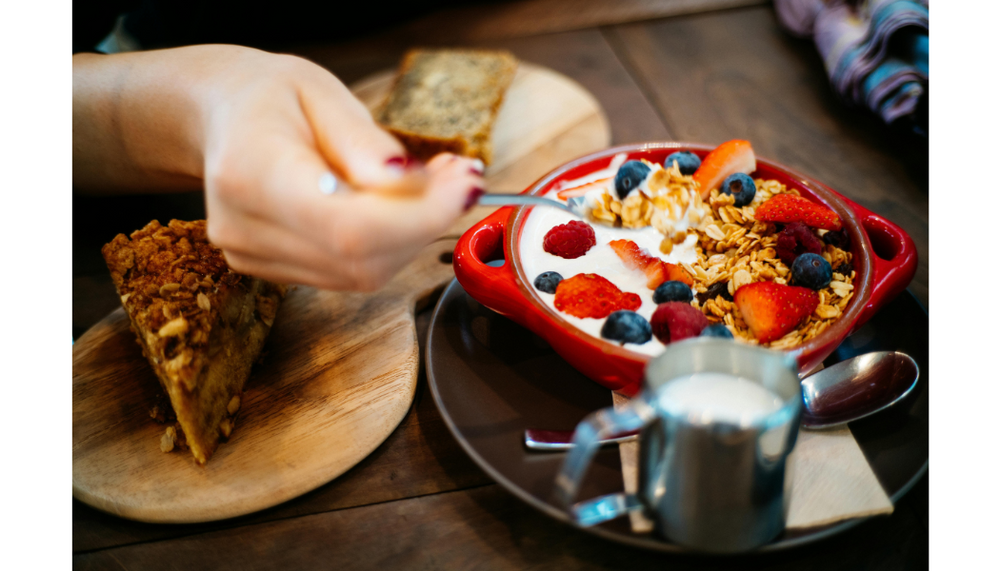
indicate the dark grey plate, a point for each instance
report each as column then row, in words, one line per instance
column 491, row 379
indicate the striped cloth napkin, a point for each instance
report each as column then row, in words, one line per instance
column 875, row 52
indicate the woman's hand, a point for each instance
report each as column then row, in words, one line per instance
column 262, row 133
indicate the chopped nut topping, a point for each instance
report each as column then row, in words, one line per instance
column 168, row 439
column 167, row 289
column 267, row 307
column 174, row 327
column 234, row 405
column 203, row 302
column 735, row 249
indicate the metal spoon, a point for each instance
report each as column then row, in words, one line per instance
column 574, row 206
column 842, row 393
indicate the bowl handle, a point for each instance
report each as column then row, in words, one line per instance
column 894, row 261
column 493, row 286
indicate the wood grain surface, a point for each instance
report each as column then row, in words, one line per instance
column 417, row 501
column 484, row 528
column 339, row 374
column 735, row 74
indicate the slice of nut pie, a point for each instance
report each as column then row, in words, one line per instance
column 200, row 325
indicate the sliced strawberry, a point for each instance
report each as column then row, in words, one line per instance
column 591, row 295
column 772, row 310
column 728, row 158
column 583, row 189
column 677, row 273
column 790, row 208
column 657, row 271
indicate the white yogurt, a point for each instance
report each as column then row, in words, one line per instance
column 601, row 260
column 608, row 172
column 705, row 398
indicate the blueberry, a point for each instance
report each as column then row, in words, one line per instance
column 687, row 161
column 627, row 327
column 548, row 281
column 717, row 330
column 673, row 291
column 837, row 238
column 811, row 271
column 741, row 187
column 630, row 175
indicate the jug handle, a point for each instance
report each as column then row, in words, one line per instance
column 586, row 441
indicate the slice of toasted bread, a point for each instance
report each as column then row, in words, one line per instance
column 200, row 325
column 447, row 100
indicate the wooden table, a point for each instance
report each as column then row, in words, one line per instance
column 418, row 502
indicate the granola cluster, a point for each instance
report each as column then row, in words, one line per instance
column 734, row 250
column 673, row 206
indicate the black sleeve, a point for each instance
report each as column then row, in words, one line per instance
column 94, row 19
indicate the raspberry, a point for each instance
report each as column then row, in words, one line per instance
column 795, row 239
column 676, row 320
column 590, row 295
column 570, row 240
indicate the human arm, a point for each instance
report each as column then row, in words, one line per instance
column 258, row 131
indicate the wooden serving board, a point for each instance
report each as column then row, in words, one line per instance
column 339, row 371
column 338, row 376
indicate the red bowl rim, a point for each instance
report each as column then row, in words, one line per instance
column 860, row 247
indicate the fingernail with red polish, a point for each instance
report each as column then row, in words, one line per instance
column 473, row 197
column 402, row 162
column 478, row 168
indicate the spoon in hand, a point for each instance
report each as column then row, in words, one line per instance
column 574, row 206
column 842, row 393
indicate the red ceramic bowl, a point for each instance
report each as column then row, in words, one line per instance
column 885, row 260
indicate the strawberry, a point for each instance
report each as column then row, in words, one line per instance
column 772, row 310
column 657, row 271
column 731, row 157
column 677, row 273
column 590, row 295
column 569, row 240
column 603, row 184
column 791, row 208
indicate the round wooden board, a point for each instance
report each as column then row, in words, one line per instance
column 338, row 375
column 340, row 369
